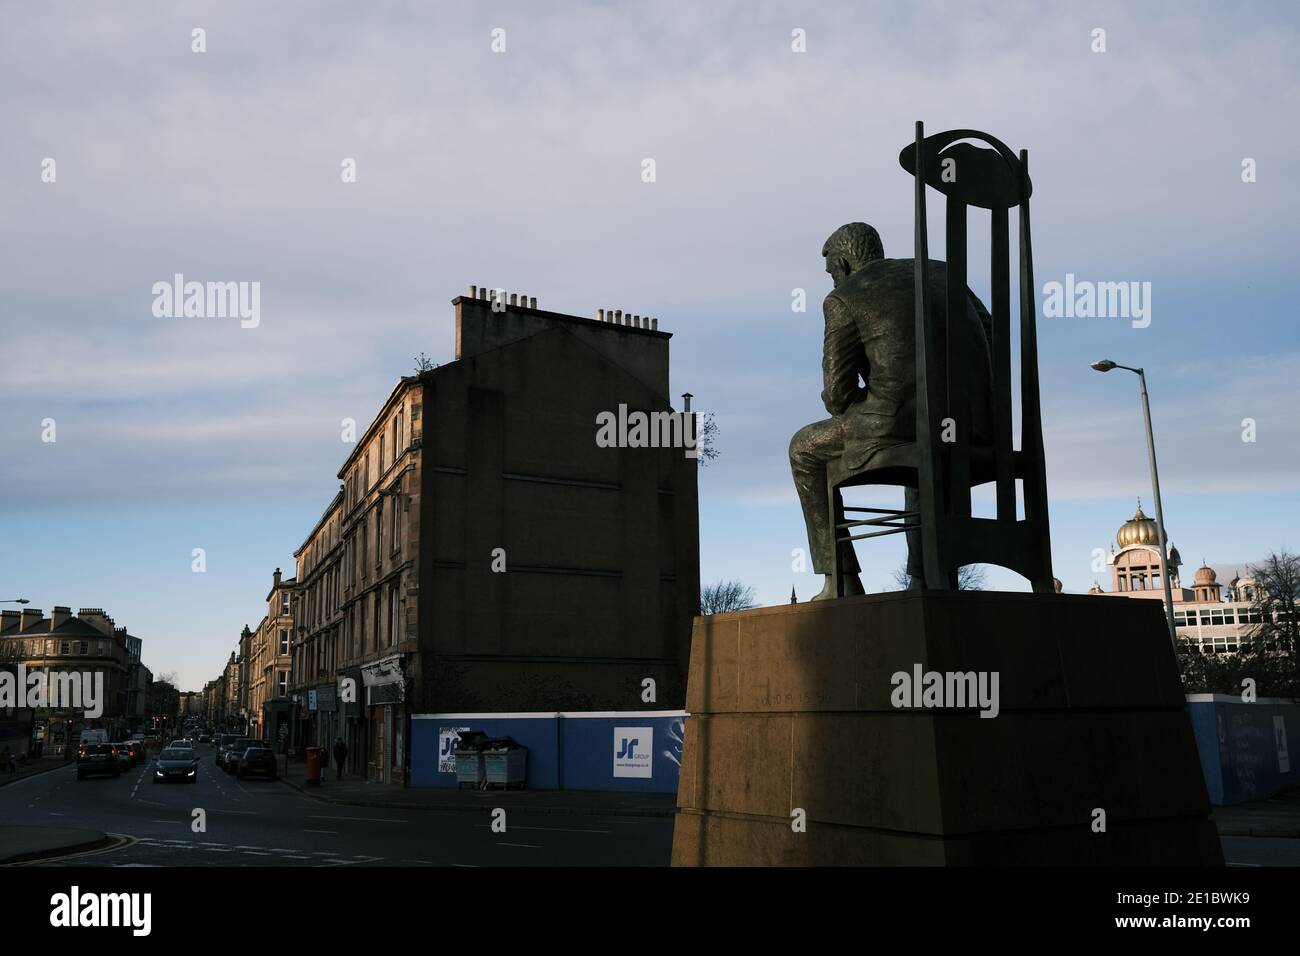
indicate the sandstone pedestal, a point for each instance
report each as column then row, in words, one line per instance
column 791, row 710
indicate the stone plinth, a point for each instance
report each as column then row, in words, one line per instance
column 791, row 709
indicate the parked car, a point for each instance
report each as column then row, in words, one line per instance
column 205, row 738
column 176, row 764
column 137, row 751
column 236, row 753
column 224, row 743
column 123, row 754
column 95, row 758
column 258, row 760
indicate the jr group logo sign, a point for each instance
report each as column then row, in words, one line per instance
column 634, row 752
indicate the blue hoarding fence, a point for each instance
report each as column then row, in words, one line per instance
column 1248, row 750
column 594, row 750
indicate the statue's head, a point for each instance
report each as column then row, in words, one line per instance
column 850, row 248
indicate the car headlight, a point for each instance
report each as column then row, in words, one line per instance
column 158, row 773
column 190, row 774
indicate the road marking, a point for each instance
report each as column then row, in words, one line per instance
column 358, row 819
column 53, row 814
column 422, row 862
column 321, row 831
column 526, row 846
column 255, row 853
column 551, row 829
column 218, row 849
column 166, row 821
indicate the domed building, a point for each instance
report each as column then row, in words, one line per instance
column 1202, row 616
column 1135, row 567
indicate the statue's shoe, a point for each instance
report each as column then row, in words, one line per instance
column 852, row 586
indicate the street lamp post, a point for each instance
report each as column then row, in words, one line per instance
column 1105, row 365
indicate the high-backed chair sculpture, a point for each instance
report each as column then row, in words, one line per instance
column 943, row 472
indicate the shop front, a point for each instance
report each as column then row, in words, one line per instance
column 385, row 685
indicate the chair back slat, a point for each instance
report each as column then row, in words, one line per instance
column 1031, row 417
column 958, row 406
column 1003, row 466
column 928, row 400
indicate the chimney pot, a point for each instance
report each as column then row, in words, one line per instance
column 473, row 292
column 618, row 316
column 483, row 292
column 514, row 298
column 600, row 315
column 654, row 324
column 532, row 302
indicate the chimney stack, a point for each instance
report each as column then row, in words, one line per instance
column 277, row 577
column 59, row 615
column 29, row 616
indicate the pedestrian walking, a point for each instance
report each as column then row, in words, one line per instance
column 340, row 755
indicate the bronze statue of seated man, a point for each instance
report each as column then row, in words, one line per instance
column 869, row 382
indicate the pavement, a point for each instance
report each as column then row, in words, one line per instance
column 1279, row 816
column 353, row 791
column 33, row 843
column 31, row 767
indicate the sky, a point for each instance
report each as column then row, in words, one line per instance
column 523, row 169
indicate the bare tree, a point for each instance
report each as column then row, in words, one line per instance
column 707, row 439
column 970, row 577
column 725, row 596
column 1274, row 604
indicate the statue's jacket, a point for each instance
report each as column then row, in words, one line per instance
column 871, row 334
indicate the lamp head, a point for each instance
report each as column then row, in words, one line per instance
column 1105, row 365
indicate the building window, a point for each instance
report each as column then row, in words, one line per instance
column 397, row 542
column 379, row 532
column 382, row 459
column 63, row 647
column 284, row 602
column 283, row 682
column 284, row 640
column 395, row 608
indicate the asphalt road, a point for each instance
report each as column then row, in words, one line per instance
column 263, row 823
column 258, row 822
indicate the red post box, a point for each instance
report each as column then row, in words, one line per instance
column 313, row 766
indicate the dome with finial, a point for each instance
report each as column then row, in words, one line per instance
column 1205, row 576
column 1138, row 530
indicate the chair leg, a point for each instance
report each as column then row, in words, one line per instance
column 837, row 518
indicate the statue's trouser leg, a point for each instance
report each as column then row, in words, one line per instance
column 810, row 449
column 915, row 566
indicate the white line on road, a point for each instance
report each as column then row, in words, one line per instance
column 526, row 846
column 551, row 829
column 358, row 819
column 321, row 831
